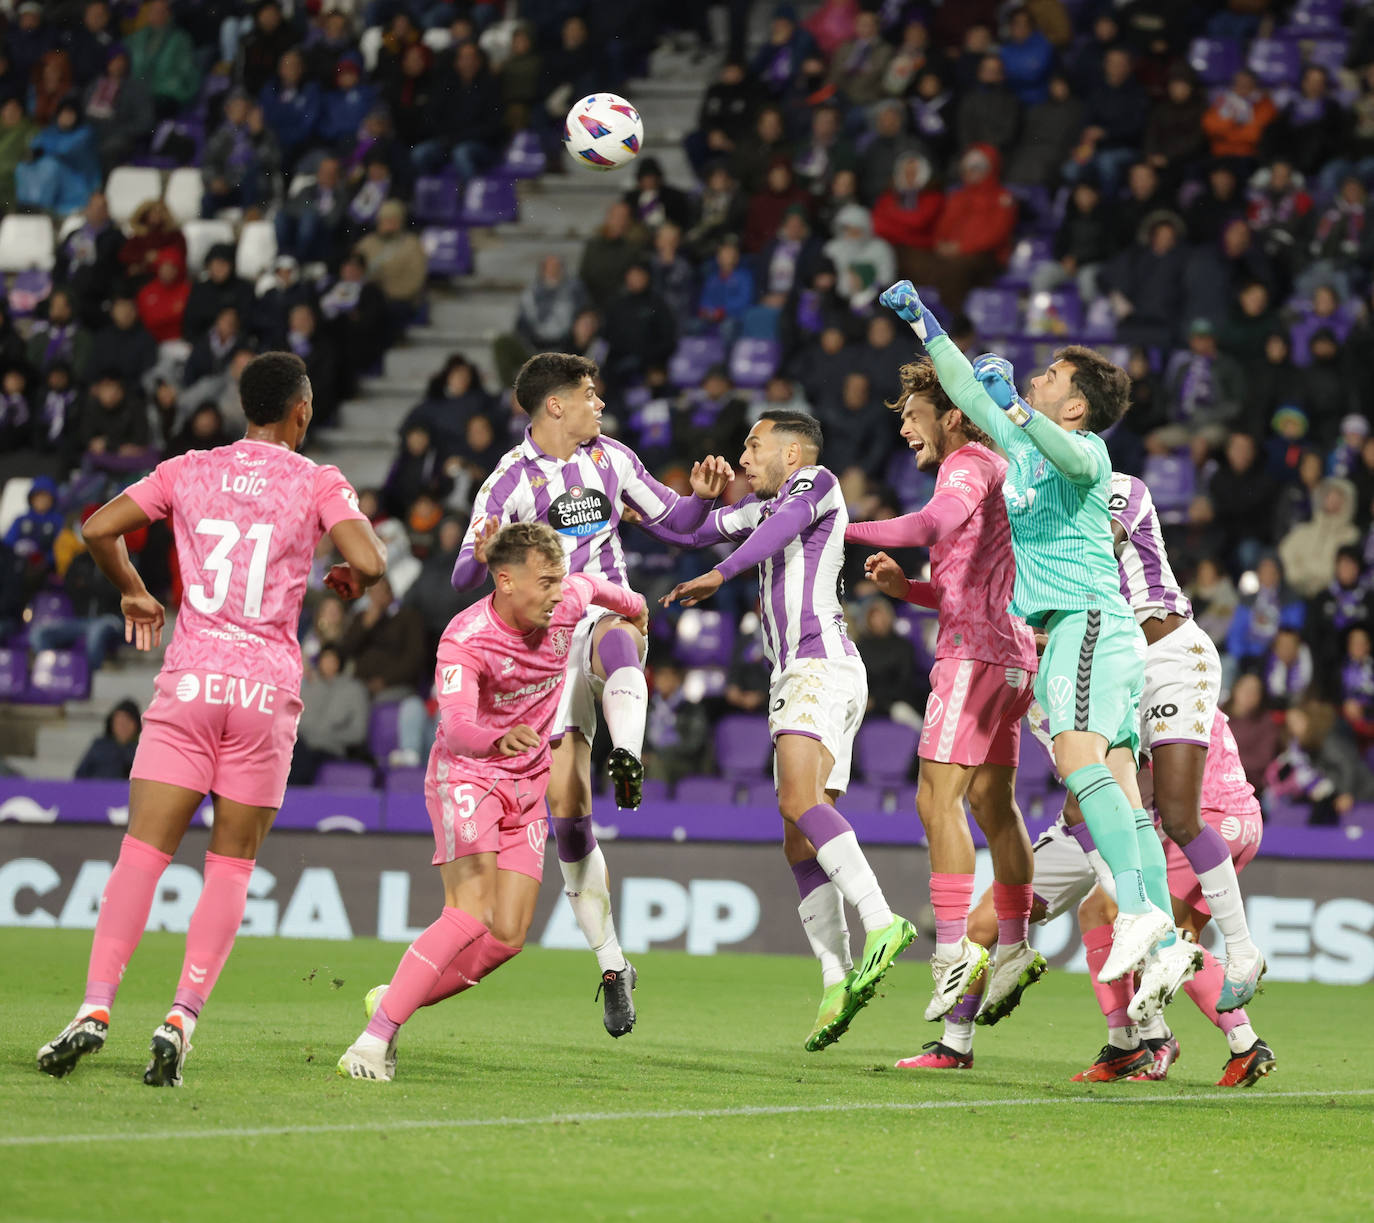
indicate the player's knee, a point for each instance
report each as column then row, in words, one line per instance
column 564, row 806
column 1094, row 911
column 512, row 934
column 794, row 801
column 1181, row 819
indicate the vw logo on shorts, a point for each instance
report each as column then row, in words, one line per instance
column 935, row 710
column 1061, row 689
column 537, row 833
column 188, row 687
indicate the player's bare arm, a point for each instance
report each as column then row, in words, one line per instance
column 364, row 560
column 104, row 535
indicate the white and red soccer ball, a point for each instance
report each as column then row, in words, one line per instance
column 603, row 132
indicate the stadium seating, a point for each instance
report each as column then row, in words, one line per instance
column 183, row 193
column 448, row 250
column 14, row 673
column 256, row 250
column 437, row 200
column 753, row 361
column 57, row 676
column 703, row 683
column 1275, row 61
column 525, row 158
column 704, row 638
column 1170, row 480
column 994, row 311
column 743, row 746
column 1215, row 60
column 128, row 187
column 382, row 730
column 884, row 751
column 26, row 242
column 345, row 775
column 489, row 201
column 695, row 354
column 407, row 779
column 706, row 791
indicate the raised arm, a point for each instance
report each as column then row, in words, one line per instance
column 669, row 516
column 942, row 515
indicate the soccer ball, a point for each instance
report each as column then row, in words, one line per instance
column 603, row 132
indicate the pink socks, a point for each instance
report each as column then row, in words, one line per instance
column 214, row 926
column 477, row 960
column 1115, row 997
column 421, row 967
column 950, row 897
column 1013, row 903
column 124, row 910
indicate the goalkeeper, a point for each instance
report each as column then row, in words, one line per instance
column 1067, row 586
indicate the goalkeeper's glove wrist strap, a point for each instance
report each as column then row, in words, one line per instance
column 1019, row 412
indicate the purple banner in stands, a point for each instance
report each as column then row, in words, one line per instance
column 356, row 810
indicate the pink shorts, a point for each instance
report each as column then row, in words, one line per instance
column 480, row 815
column 974, row 712
column 219, row 734
column 1241, row 831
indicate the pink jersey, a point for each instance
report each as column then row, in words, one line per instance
column 490, row 678
column 246, row 519
column 1224, row 787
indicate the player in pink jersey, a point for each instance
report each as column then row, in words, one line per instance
column 223, row 720
column 980, row 690
column 499, row 678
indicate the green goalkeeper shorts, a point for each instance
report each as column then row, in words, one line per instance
column 1092, row 674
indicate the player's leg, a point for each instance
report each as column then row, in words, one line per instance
column 159, row 815
column 1018, row 966
column 618, row 650
column 804, row 766
column 586, row 881
column 1125, row 1052
column 469, row 901
column 821, row 910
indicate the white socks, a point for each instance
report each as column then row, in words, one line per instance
column 822, row 918
column 1221, row 891
column 625, row 702
column 843, row 860
column 587, row 891
column 1241, row 1037
column 958, row 1035
column 1123, row 1038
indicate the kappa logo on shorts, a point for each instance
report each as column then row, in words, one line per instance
column 1199, row 706
column 1061, row 691
column 562, row 639
column 804, row 719
column 468, row 831
column 1161, row 727
column 536, row 834
column 188, row 688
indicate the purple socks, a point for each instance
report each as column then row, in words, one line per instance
column 616, row 650
column 809, row 876
column 1206, row 851
column 822, row 823
column 575, row 838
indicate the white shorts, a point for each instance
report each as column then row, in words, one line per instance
column 1063, row 874
column 582, row 689
column 1182, row 688
column 824, row 699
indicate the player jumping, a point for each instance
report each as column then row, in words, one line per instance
column 223, row 720
column 566, row 474
column 1090, row 676
column 499, row 677
column 792, row 526
column 980, row 688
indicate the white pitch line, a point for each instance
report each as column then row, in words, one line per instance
column 677, row 1114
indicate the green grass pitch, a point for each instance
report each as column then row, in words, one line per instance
column 512, row 1103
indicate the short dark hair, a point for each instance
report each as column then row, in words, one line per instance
column 270, row 384
column 799, row 424
column 546, row 373
column 920, row 378
column 513, row 543
column 1105, row 387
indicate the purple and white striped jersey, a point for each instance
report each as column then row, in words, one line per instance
column 796, row 538
column 581, row 500
column 1147, row 582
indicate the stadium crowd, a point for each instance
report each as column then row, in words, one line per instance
column 1183, row 186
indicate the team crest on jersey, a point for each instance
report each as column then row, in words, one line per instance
column 562, row 638
column 468, row 831
column 580, row 512
column 599, row 457
column 507, row 666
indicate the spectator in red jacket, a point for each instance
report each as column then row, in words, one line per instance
column 162, row 301
column 906, row 213
column 973, row 233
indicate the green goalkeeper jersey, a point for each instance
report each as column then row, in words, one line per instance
column 1056, row 490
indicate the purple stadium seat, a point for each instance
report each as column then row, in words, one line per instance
column 47, row 606
column 1283, row 813
column 1275, row 61
column 1019, row 352
column 408, row 779
column 381, row 729
column 1036, row 206
column 525, row 158
column 743, row 746
column 59, row 675
column 762, row 793
column 656, row 790
column 1312, row 16
column 1026, row 256
column 489, row 201
column 694, row 356
column 1328, row 53
column 27, row 290
column 448, row 250
column 1058, row 312
column 436, row 199
column 345, row 775
column 1360, row 816
column 704, row 638
column 1170, row 479
column 994, row 311
column 752, row 362
column 884, row 750
column 1215, row 60
column 912, row 485
column 14, row 674
column 704, row 683
column 865, row 798
column 1100, row 324
column 706, row 791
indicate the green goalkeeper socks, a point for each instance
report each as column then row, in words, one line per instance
column 1153, row 866
column 1107, row 812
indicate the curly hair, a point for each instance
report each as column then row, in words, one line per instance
column 546, row 374
column 1106, row 388
column 513, row 543
column 920, row 378
column 270, row 385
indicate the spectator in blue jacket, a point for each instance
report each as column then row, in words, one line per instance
column 1028, row 59
column 291, row 106
column 31, row 535
column 346, row 106
column 728, row 290
column 67, row 170
column 1262, row 613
